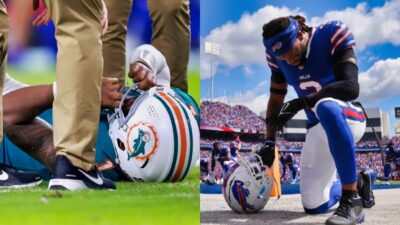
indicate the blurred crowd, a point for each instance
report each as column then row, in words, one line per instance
column 283, row 145
column 35, row 47
column 218, row 114
column 289, row 160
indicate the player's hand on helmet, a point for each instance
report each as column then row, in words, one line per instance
column 267, row 152
column 286, row 112
column 44, row 17
column 142, row 75
column 110, row 97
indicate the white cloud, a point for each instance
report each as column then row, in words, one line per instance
column 241, row 41
column 381, row 81
column 247, row 70
column 255, row 99
column 370, row 27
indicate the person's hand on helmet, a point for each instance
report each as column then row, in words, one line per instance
column 142, row 75
column 267, row 152
column 110, row 97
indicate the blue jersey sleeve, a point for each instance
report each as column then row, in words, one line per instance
column 340, row 36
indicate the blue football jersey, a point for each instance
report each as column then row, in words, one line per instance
column 233, row 152
column 221, row 154
column 317, row 70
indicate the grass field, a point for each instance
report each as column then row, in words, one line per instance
column 29, row 77
column 131, row 203
column 388, row 182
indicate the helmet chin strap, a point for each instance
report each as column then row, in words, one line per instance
column 120, row 112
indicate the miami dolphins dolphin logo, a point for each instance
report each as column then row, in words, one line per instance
column 139, row 144
column 240, row 193
column 142, row 141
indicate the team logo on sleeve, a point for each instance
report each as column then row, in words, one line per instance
column 277, row 46
column 142, row 141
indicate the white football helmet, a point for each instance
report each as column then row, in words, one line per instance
column 247, row 186
column 158, row 139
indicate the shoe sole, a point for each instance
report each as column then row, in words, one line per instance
column 358, row 220
column 67, row 184
column 71, row 185
column 22, row 185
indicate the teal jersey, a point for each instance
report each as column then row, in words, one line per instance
column 105, row 154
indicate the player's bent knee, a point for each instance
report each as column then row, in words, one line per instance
column 328, row 108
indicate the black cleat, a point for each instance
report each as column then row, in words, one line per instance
column 364, row 186
column 68, row 177
column 12, row 178
column 349, row 212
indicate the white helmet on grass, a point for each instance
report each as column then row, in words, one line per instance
column 158, row 139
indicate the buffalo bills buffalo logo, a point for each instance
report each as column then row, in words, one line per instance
column 241, row 194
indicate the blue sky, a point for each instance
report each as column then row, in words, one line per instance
column 241, row 75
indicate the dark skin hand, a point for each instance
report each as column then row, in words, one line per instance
column 34, row 135
column 142, row 75
column 110, row 97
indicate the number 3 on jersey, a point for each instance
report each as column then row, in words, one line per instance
column 310, row 85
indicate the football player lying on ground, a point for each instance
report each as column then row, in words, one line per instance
column 34, row 136
column 31, row 133
column 321, row 66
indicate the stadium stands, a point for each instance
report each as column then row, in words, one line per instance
column 219, row 121
column 367, row 156
column 217, row 114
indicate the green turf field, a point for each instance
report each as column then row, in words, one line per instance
column 388, row 182
column 47, row 77
column 131, row 203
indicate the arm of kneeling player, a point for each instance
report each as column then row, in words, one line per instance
column 278, row 90
column 346, row 86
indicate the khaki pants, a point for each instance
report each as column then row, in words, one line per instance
column 76, row 107
column 4, row 28
column 171, row 36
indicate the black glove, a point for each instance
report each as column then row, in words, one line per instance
column 285, row 113
column 267, row 152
